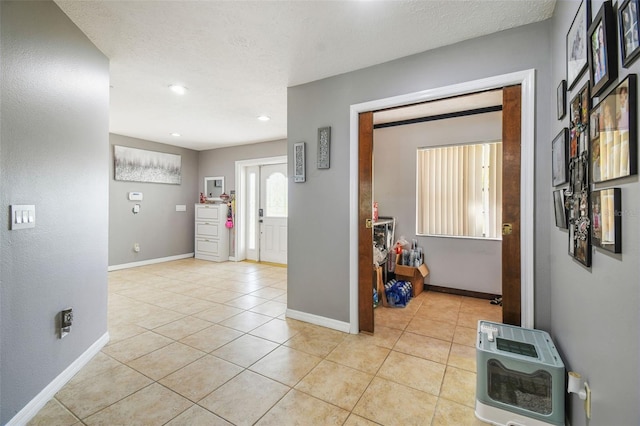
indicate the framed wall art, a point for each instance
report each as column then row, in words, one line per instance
column 577, row 43
column 561, row 96
column 579, row 227
column 577, row 204
column 579, row 108
column 324, row 147
column 141, row 165
column 560, row 209
column 559, row 151
column 629, row 32
column 606, row 220
column 614, row 146
column 603, row 60
column 299, row 171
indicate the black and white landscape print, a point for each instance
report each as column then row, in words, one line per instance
column 139, row 165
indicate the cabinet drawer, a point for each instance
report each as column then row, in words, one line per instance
column 208, row 212
column 206, row 229
column 206, row 246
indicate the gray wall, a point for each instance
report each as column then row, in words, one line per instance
column 159, row 229
column 54, row 152
column 222, row 161
column 319, row 208
column 595, row 314
column 394, row 188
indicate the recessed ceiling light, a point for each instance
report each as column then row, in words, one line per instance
column 176, row 88
column 176, row 134
column 264, row 118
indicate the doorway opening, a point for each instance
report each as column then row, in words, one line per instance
column 261, row 210
column 437, row 171
column 526, row 82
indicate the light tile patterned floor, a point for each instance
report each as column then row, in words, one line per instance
column 202, row 343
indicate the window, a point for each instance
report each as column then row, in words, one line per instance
column 460, row 190
column 276, row 197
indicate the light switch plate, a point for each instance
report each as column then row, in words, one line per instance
column 181, row 208
column 23, row 216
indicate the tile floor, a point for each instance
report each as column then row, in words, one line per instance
column 201, row 343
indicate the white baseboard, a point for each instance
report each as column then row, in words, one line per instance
column 318, row 320
column 35, row 405
column 149, row 262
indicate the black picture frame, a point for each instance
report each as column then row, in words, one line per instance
column 561, row 95
column 577, row 46
column 606, row 219
column 614, row 146
column 560, row 210
column 602, row 51
column 578, row 205
column 559, row 162
column 579, row 108
column 579, row 218
column 628, row 17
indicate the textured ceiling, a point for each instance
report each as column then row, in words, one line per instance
column 237, row 58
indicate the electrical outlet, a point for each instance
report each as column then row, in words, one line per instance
column 136, row 247
column 66, row 319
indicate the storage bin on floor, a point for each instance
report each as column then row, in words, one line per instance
column 415, row 276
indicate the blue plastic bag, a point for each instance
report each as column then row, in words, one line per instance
column 398, row 293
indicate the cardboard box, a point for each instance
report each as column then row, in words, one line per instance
column 414, row 275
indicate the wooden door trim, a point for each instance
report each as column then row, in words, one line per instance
column 365, row 236
column 511, row 188
column 526, row 79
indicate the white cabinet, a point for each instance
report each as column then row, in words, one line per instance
column 211, row 234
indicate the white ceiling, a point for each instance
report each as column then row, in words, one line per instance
column 237, row 58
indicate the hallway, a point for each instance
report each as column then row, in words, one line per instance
column 203, row 343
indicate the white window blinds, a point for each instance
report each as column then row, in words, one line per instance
column 460, row 190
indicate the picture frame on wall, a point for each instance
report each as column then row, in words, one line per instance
column 561, row 94
column 299, row 168
column 559, row 165
column 324, row 147
column 614, row 146
column 628, row 17
column 142, row 165
column 577, row 56
column 606, row 219
column 579, row 108
column 603, row 59
column 578, row 206
column 560, row 209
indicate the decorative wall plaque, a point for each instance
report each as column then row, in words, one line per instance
column 299, row 174
column 324, row 147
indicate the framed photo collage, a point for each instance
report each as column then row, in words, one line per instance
column 600, row 144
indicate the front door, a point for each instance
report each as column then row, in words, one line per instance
column 272, row 213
